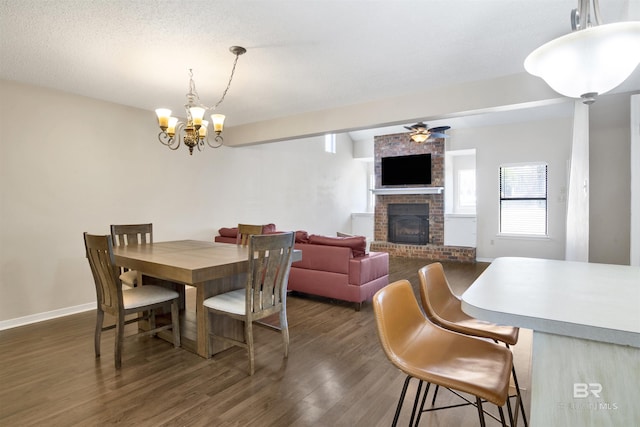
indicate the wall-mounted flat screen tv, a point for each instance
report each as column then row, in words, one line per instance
column 406, row 170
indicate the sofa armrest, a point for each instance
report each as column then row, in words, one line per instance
column 369, row 267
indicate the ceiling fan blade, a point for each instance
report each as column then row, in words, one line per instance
column 438, row 135
column 440, row 129
column 417, row 127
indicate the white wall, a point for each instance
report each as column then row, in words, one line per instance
column 610, row 180
column 542, row 141
column 83, row 164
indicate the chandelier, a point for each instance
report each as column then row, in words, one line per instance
column 195, row 132
column 591, row 60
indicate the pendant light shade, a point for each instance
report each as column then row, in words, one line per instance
column 588, row 62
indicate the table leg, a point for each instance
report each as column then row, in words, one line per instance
column 219, row 324
column 201, row 317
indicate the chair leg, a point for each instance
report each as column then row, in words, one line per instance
column 415, row 402
column 480, row 411
column 435, row 394
column 520, row 402
column 504, row 424
column 119, row 340
column 511, row 423
column 400, row 401
column 98, row 334
column 175, row 322
column 152, row 320
column 248, row 336
column 424, row 399
column 207, row 330
column 284, row 327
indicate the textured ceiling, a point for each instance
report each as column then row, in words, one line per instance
column 302, row 55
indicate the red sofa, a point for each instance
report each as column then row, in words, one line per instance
column 339, row 268
column 333, row 267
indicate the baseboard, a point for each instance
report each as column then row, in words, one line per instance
column 47, row 315
column 485, row 259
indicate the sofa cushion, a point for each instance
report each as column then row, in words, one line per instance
column 334, row 259
column 228, row 232
column 357, row 244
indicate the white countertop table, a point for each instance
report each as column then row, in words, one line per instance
column 585, row 319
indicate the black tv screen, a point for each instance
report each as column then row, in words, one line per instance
column 406, row 170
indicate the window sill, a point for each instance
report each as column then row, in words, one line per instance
column 523, row 236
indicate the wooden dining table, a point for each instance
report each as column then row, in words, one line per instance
column 211, row 268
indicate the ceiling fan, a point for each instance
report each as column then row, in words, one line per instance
column 420, row 132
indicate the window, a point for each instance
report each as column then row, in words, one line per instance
column 330, row 143
column 523, row 199
column 466, row 191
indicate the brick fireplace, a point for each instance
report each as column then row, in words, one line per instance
column 422, row 229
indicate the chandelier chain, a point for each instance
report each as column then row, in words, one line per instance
column 193, row 92
column 233, row 70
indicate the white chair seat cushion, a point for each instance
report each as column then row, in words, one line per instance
column 129, row 278
column 231, row 302
column 146, row 295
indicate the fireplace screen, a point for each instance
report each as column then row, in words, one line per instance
column 408, row 223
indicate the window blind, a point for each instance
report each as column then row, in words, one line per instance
column 523, row 199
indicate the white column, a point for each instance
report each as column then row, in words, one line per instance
column 635, row 180
column 577, row 239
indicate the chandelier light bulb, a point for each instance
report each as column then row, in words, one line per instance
column 163, row 117
column 171, row 129
column 218, row 122
column 202, row 132
column 197, row 113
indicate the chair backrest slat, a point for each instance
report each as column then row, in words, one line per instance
column 246, row 230
column 269, row 265
column 131, row 234
column 99, row 251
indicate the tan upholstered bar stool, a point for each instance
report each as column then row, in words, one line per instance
column 444, row 308
column 429, row 353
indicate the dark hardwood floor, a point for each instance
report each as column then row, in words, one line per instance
column 336, row 373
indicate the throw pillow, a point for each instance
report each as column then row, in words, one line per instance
column 268, row 228
column 228, row 232
column 358, row 244
column 302, row 236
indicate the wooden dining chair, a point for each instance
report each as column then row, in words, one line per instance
column 246, row 230
column 264, row 293
column 112, row 299
column 129, row 235
column 437, row 356
column 444, row 308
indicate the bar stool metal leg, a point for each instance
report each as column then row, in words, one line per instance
column 400, row 401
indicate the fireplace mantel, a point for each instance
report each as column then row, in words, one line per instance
column 407, row 190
